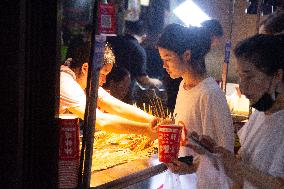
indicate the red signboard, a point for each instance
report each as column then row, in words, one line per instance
column 106, row 19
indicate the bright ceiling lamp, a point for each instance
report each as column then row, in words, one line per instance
column 144, row 2
column 190, row 13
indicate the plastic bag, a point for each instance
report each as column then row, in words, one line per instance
column 211, row 173
column 224, row 180
column 172, row 181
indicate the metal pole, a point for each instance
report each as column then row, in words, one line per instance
column 225, row 66
column 259, row 3
column 91, row 104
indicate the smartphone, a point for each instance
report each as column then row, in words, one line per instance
column 186, row 159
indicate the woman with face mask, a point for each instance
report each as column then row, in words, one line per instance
column 121, row 117
column 201, row 106
column 260, row 162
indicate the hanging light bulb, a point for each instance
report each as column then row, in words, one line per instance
column 144, row 2
column 190, row 13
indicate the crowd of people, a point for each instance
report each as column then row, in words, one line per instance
column 200, row 105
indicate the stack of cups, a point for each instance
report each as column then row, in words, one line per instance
column 69, row 154
column 169, row 142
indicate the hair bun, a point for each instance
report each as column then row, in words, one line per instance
column 200, row 41
column 68, row 62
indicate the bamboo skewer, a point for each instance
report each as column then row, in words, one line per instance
column 150, row 110
column 154, row 107
column 161, row 106
column 154, row 103
column 167, row 113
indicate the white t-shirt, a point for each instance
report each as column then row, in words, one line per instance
column 204, row 109
column 71, row 93
column 262, row 141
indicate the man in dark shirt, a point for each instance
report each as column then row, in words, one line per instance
column 215, row 29
column 131, row 55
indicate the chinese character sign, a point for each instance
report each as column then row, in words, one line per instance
column 106, row 19
column 169, row 141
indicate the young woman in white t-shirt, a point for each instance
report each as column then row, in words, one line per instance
column 201, row 106
column 120, row 117
column 260, row 161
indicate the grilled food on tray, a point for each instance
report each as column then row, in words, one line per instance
column 112, row 149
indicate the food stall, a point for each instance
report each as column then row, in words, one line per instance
column 30, row 155
column 111, row 160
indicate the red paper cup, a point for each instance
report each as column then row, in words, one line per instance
column 69, row 151
column 169, row 142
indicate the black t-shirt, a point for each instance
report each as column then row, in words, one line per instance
column 154, row 63
column 172, row 87
column 129, row 54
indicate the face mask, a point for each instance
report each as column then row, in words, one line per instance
column 264, row 103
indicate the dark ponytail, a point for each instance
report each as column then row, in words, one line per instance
column 214, row 27
column 199, row 42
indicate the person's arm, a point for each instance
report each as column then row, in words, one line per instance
column 138, row 59
column 146, row 81
column 119, row 108
column 239, row 171
column 116, row 124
